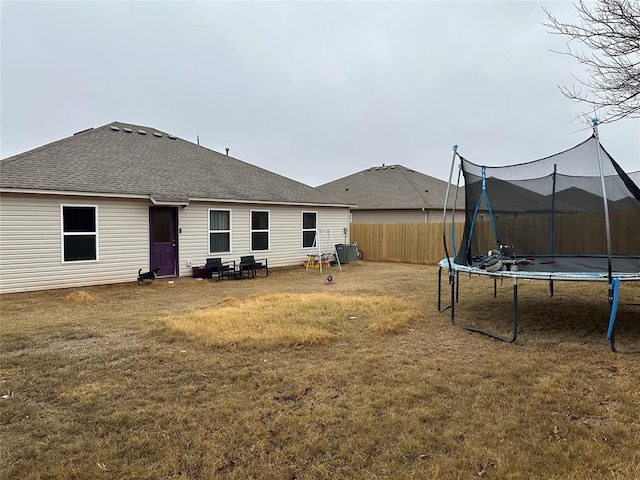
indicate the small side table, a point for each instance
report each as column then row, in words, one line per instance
column 199, row 271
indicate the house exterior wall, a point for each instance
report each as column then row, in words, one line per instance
column 31, row 248
column 398, row 216
column 285, row 233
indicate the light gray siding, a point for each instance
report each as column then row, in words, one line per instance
column 398, row 215
column 31, row 251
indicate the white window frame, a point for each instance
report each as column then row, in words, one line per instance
column 252, row 231
column 64, row 234
column 218, row 231
column 308, row 229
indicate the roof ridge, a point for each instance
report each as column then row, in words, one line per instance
column 86, row 131
column 364, row 171
column 134, row 126
column 17, row 156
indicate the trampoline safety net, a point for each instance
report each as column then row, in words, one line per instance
column 550, row 207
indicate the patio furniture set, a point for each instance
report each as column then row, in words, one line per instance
column 248, row 267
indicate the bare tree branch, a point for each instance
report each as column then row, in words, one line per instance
column 611, row 31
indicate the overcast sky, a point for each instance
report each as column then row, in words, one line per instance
column 314, row 91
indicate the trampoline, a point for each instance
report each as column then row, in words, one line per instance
column 573, row 216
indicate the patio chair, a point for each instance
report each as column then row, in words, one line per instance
column 250, row 265
column 219, row 268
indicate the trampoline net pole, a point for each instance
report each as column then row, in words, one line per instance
column 607, row 225
column 446, row 204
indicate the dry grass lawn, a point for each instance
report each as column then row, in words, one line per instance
column 285, row 377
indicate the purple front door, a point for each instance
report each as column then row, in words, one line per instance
column 163, row 229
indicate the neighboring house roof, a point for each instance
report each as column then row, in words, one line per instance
column 131, row 160
column 392, row 187
column 635, row 176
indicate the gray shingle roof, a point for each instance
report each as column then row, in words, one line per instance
column 118, row 159
column 392, row 187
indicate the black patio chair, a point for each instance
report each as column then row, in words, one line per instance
column 251, row 266
column 219, row 268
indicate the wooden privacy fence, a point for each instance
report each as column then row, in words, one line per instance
column 574, row 233
column 403, row 242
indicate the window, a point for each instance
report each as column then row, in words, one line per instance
column 79, row 233
column 259, row 230
column 309, row 230
column 162, row 222
column 219, row 231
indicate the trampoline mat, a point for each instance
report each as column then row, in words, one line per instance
column 577, row 264
column 561, row 267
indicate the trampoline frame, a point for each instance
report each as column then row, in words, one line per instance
column 454, row 271
column 612, row 277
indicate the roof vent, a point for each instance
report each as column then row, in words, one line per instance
column 142, row 132
column 156, row 134
column 377, row 168
column 114, row 128
column 128, row 130
column 392, row 167
column 172, row 137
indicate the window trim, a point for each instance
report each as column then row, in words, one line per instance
column 218, row 231
column 64, row 234
column 252, row 231
column 303, row 230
